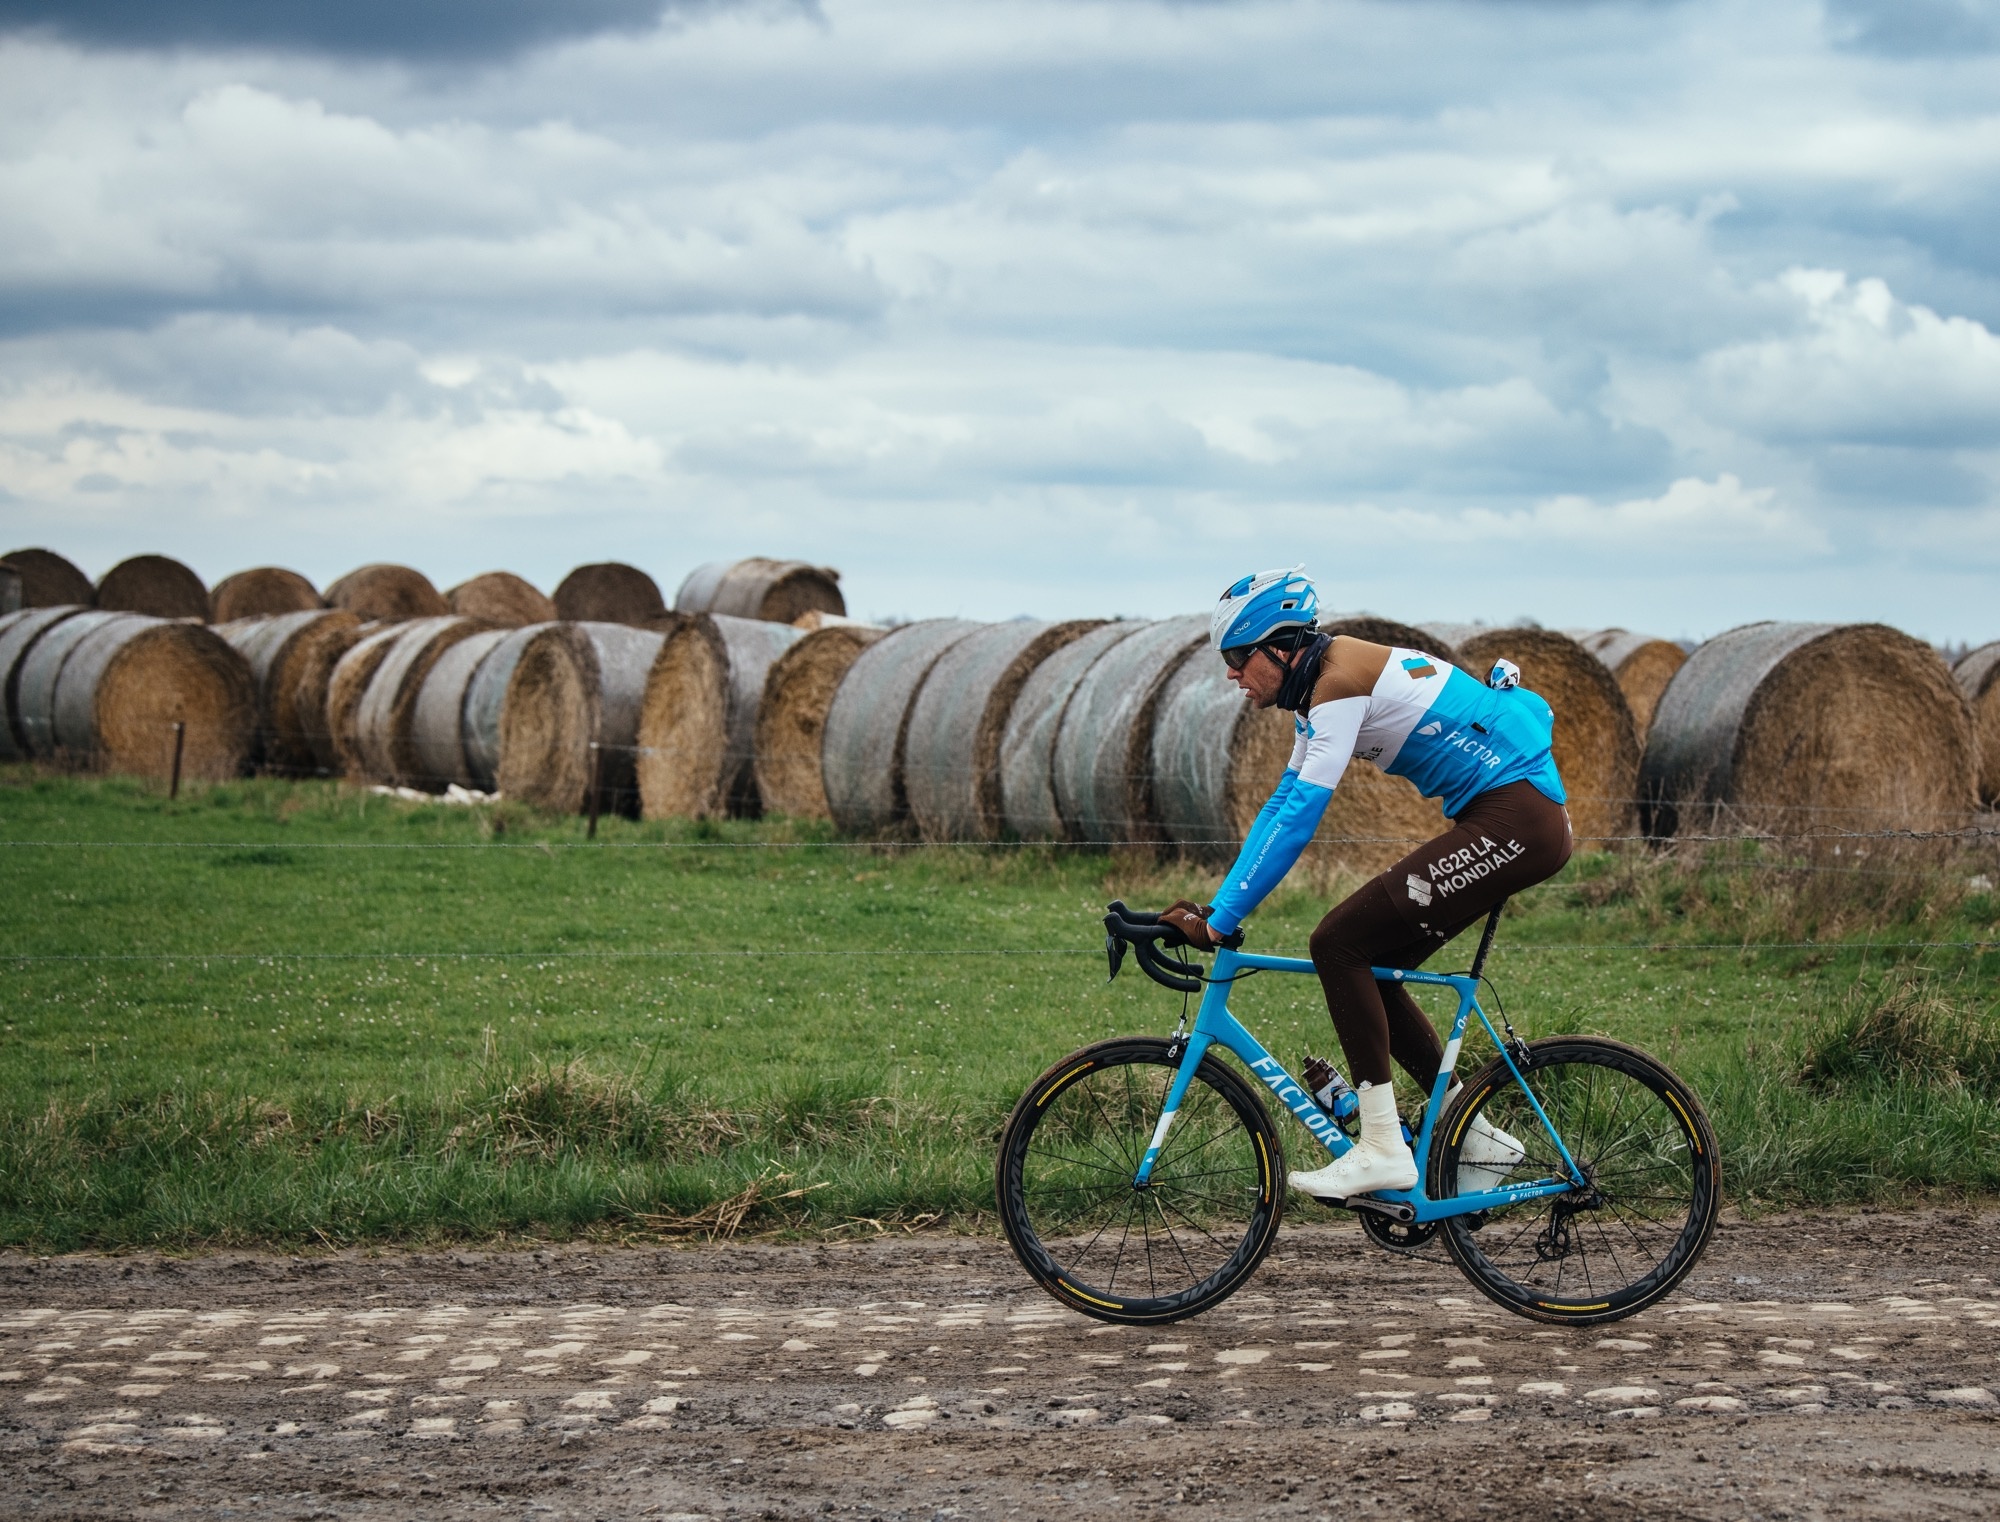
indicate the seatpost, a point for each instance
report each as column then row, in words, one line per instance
column 1486, row 940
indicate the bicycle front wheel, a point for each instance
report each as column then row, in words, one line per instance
column 1642, row 1211
column 1087, row 1233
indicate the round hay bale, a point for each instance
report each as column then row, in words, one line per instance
column 303, row 678
column 778, row 591
column 35, row 681
column 10, row 589
column 156, row 585
column 1978, row 677
column 861, row 757
column 815, row 620
column 1808, row 728
column 346, row 685
column 1641, row 664
column 791, row 718
column 1215, row 759
column 951, row 760
column 49, row 581
column 502, row 599
column 388, row 593
column 382, row 721
column 1101, row 767
column 698, row 720
column 485, row 705
column 573, row 684
column 268, row 589
column 1027, row 744
column 1596, row 744
column 437, row 719
column 261, row 642
column 18, row 633
column 609, row 593
column 127, row 683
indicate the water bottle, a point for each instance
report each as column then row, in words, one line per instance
column 1332, row 1092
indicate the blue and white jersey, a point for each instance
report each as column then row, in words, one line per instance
column 1426, row 720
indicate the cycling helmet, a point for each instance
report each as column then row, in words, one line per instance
column 1260, row 606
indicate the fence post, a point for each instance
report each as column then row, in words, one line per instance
column 596, row 777
column 180, row 741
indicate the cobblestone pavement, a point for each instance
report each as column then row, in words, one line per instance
column 1832, row 1366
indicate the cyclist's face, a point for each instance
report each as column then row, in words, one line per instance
column 1260, row 678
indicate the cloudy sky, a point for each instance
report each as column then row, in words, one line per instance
column 1665, row 315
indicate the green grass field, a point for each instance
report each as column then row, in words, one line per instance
column 223, row 1022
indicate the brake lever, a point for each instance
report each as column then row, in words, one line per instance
column 1114, row 951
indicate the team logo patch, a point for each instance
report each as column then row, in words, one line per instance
column 1419, row 668
column 1435, row 727
column 1420, row 891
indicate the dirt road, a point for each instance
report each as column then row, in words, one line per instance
column 1840, row 1366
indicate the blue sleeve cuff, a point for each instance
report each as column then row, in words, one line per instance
column 1283, row 829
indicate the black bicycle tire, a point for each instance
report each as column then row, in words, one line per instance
column 1460, row 1237
column 1092, row 1301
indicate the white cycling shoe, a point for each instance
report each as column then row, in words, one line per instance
column 1379, row 1160
column 1487, row 1155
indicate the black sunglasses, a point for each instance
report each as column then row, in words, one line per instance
column 1239, row 656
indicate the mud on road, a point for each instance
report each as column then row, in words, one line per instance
column 1814, row 1366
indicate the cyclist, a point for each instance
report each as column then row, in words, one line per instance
column 1481, row 748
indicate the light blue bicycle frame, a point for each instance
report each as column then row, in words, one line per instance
column 1214, row 1025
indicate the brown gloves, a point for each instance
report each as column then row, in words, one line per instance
column 1191, row 920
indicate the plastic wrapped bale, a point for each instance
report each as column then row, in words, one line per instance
column 277, row 647
column 1027, row 744
column 437, row 720
column 1805, row 729
column 1641, row 664
column 1102, row 762
column 485, row 705
column 778, row 591
column 130, row 682
column 698, row 721
column 1978, row 677
column 791, row 718
column 266, row 590
column 18, row 633
column 382, row 722
column 346, row 685
column 861, row 759
column 951, row 760
column 387, row 594
column 575, row 684
column 609, row 593
column 502, row 599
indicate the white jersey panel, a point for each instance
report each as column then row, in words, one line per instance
column 1410, row 683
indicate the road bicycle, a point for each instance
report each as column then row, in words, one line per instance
column 1142, row 1180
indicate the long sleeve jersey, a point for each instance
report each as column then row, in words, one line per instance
column 1454, row 737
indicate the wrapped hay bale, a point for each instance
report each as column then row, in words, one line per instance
column 1805, row 728
column 274, row 646
column 306, row 677
column 951, row 760
column 1101, row 767
column 346, row 685
column 698, row 720
column 1216, row 758
column 437, row 719
column 778, row 591
column 1640, row 664
column 129, row 681
column 609, row 593
column 1596, row 744
column 387, row 594
column 156, row 585
column 502, row 599
column 49, row 581
column 1978, row 677
column 18, row 633
column 41, row 664
column 861, row 757
column 575, row 684
column 791, row 718
column 485, row 705
column 382, row 719
column 1027, row 744
column 267, row 590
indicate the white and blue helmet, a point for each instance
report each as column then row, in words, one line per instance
column 1260, row 606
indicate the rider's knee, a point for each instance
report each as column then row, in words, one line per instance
column 1332, row 945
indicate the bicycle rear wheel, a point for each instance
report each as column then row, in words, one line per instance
column 1651, row 1188
column 1085, row 1233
